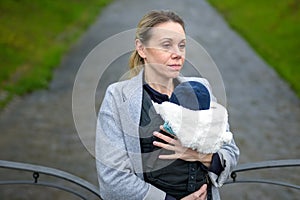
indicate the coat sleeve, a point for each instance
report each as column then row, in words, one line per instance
column 116, row 175
column 228, row 154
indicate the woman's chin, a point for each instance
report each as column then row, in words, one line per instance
column 174, row 74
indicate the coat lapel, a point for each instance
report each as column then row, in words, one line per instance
column 130, row 111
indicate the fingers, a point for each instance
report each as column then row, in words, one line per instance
column 169, row 157
column 161, row 127
column 164, row 146
column 174, row 145
column 165, row 138
column 202, row 192
column 169, row 146
column 203, row 189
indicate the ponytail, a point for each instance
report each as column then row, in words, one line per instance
column 136, row 63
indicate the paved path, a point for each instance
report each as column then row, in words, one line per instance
column 264, row 112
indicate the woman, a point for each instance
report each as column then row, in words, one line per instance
column 136, row 159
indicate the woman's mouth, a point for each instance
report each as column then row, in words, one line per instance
column 176, row 67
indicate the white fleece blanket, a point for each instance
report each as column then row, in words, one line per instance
column 201, row 130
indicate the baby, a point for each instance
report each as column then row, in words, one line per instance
column 194, row 119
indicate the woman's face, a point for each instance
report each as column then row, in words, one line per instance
column 164, row 53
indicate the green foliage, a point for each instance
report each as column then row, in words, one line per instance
column 272, row 28
column 33, row 37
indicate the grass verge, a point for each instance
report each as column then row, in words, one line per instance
column 33, row 37
column 272, row 28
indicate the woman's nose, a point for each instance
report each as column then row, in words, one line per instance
column 176, row 53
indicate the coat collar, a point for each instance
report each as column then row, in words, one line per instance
column 133, row 87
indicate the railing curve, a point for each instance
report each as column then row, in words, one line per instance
column 264, row 165
column 37, row 170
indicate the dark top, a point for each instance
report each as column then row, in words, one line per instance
column 177, row 178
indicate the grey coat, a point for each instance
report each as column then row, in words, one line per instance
column 118, row 152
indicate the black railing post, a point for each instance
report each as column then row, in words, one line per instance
column 35, row 176
column 233, row 176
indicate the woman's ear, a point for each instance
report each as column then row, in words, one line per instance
column 140, row 48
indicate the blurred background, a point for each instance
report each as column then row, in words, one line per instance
column 255, row 45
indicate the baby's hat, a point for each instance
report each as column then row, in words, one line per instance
column 192, row 95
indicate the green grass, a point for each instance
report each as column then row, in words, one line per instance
column 272, row 27
column 34, row 34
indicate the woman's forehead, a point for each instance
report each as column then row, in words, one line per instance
column 168, row 30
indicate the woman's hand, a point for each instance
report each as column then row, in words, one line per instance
column 180, row 152
column 200, row 194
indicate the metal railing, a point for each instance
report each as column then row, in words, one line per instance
column 264, row 165
column 85, row 186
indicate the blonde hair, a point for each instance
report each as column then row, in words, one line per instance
column 148, row 21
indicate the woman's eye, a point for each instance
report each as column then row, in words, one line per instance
column 166, row 45
column 182, row 46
